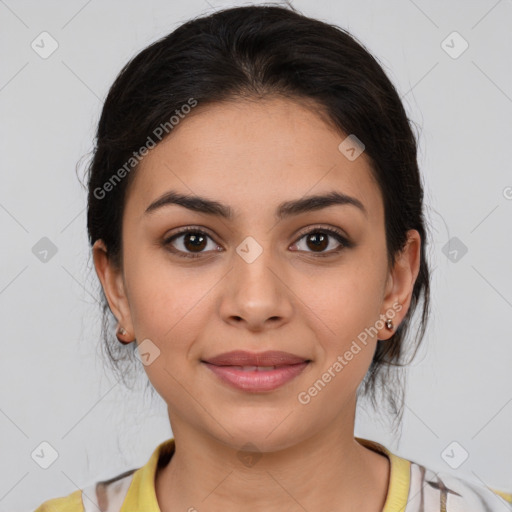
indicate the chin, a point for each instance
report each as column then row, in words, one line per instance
column 265, row 433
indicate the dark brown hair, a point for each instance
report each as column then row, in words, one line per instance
column 252, row 52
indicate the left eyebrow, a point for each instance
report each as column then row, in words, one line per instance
column 285, row 209
column 313, row 203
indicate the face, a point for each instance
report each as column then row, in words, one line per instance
column 270, row 276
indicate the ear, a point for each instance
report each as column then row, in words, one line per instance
column 400, row 283
column 111, row 278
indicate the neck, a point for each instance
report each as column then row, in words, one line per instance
column 328, row 467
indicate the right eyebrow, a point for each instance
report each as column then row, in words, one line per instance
column 194, row 203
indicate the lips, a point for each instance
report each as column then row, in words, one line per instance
column 261, row 360
column 256, row 372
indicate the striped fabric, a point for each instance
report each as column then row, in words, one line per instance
column 412, row 488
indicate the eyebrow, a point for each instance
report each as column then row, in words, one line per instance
column 284, row 210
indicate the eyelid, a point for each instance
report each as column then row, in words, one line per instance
column 332, row 230
column 187, row 229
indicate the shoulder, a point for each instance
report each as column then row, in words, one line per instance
column 70, row 503
column 439, row 491
column 132, row 489
column 106, row 496
column 416, row 488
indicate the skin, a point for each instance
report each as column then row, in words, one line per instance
column 253, row 155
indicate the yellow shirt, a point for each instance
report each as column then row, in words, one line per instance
column 412, row 488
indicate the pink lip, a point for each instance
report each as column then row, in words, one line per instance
column 228, row 367
column 257, row 380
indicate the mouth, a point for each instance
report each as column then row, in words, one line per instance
column 253, row 368
column 255, row 379
column 269, row 359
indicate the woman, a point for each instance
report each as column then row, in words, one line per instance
column 256, row 219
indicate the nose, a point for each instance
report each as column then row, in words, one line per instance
column 256, row 295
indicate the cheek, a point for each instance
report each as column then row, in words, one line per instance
column 163, row 304
column 350, row 306
column 168, row 307
column 350, row 310
column 159, row 294
column 351, row 300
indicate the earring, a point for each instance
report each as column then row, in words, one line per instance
column 389, row 324
column 121, row 335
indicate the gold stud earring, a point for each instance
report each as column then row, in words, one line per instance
column 121, row 334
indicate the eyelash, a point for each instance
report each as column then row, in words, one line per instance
column 345, row 243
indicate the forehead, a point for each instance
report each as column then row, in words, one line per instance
column 251, row 155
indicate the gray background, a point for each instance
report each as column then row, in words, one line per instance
column 54, row 387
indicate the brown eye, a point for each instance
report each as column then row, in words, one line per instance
column 189, row 243
column 319, row 239
column 194, row 241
